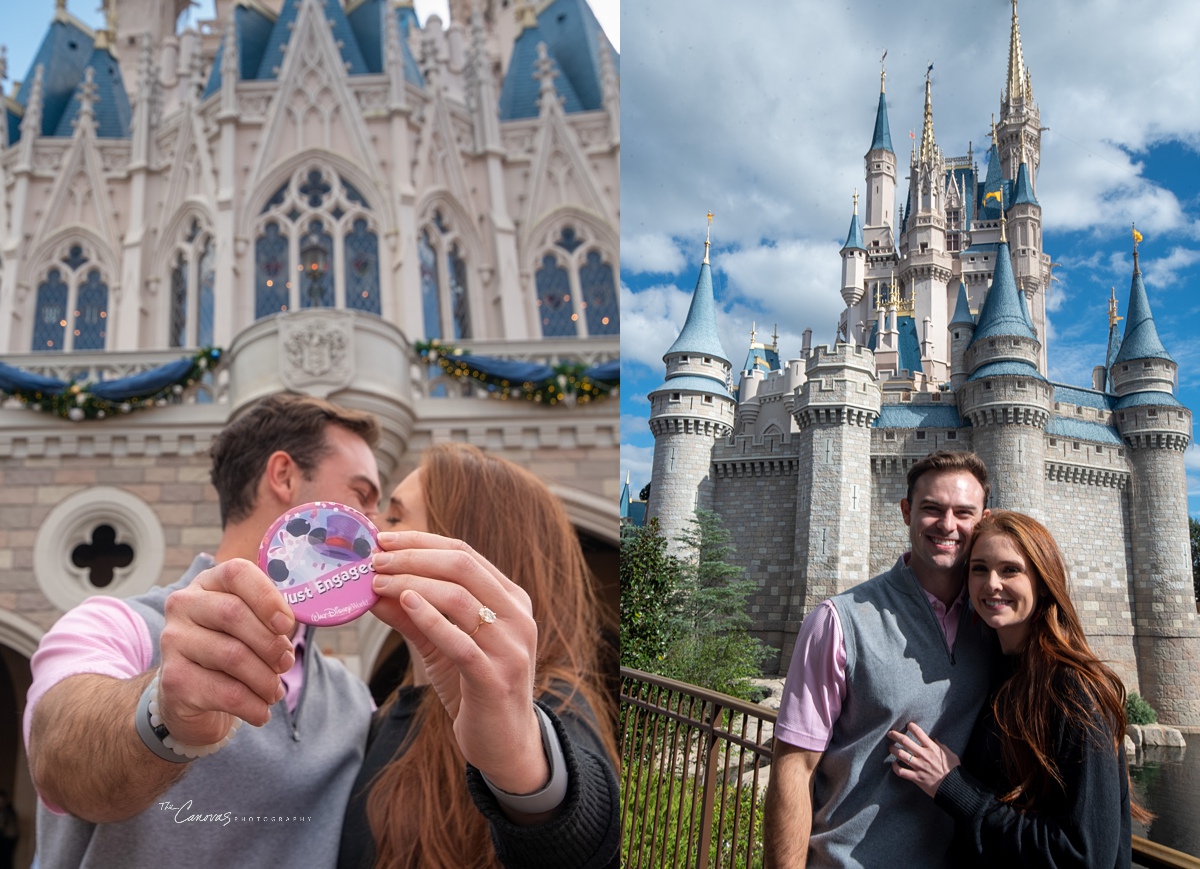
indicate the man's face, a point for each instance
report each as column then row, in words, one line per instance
column 347, row 474
column 946, row 506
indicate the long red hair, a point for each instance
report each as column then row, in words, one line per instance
column 420, row 812
column 1058, row 677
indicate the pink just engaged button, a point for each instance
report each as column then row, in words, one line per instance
column 319, row 556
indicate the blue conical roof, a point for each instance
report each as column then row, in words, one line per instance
column 281, row 35
column 521, row 90
column 1141, row 337
column 64, row 54
column 699, row 336
column 962, row 308
column 252, row 28
column 854, row 239
column 111, row 109
column 1023, row 193
column 1003, row 312
column 882, row 140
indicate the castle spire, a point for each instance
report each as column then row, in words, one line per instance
column 1019, row 85
column 1003, row 311
column 699, row 334
column 854, row 239
column 707, row 238
column 882, row 138
column 928, row 146
column 1141, row 339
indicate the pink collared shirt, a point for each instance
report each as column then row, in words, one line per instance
column 104, row 636
column 816, row 681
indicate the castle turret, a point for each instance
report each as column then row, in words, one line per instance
column 690, row 412
column 927, row 265
column 881, row 180
column 1156, row 429
column 1030, row 266
column 834, row 410
column 1019, row 131
column 962, row 330
column 854, row 263
column 1005, row 396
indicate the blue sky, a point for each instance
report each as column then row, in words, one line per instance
column 23, row 24
column 763, row 112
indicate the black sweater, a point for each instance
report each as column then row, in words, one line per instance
column 585, row 834
column 1084, row 824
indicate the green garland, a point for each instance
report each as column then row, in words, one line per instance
column 77, row 403
column 568, row 385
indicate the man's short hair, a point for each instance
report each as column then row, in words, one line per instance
column 295, row 424
column 951, row 460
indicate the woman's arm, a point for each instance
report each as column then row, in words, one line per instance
column 1087, row 829
column 585, row 831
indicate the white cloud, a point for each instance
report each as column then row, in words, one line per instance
column 1073, row 364
column 651, row 252
column 651, row 321
column 1164, row 272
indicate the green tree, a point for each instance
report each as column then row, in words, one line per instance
column 649, row 578
column 1194, row 534
column 711, row 646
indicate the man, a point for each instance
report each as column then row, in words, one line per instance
column 897, row 648
column 226, row 645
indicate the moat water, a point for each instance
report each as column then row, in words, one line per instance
column 1168, row 783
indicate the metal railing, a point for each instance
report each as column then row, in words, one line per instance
column 693, row 779
column 691, row 761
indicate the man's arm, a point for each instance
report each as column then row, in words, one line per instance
column 93, row 764
column 224, row 645
column 787, row 812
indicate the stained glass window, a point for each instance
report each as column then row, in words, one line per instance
column 271, row 276
column 179, row 299
column 568, row 240
column 599, row 296
column 431, row 300
column 50, row 316
column 554, row 300
column 362, row 269
column 459, row 304
column 315, row 188
column 208, row 277
column 316, row 267
column 91, row 313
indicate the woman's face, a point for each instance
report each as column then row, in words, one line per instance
column 405, row 510
column 1003, row 590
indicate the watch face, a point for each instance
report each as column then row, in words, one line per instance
column 319, row 556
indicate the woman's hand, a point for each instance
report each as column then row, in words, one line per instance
column 920, row 759
column 433, row 590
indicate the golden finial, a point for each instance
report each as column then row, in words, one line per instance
column 856, row 200
column 753, row 332
column 1003, row 228
column 1113, row 319
column 775, row 338
column 707, row 237
column 1137, row 237
column 882, row 72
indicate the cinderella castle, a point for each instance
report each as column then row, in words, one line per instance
column 941, row 345
column 416, row 221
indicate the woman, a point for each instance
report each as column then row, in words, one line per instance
column 459, row 744
column 1042, row 781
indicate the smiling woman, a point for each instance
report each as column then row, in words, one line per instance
column 1043, row 778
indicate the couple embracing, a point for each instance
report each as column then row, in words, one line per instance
column 950, row 711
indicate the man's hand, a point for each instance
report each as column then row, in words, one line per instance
column 787, row 813
column 225, row 644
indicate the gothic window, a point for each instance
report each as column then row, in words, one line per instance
column 317, row 246
column 445, row 291
column 316, row 267
column 554, row 299
column 362, row 267
column 431, row 306
column 193, row 274
column 576, row 286
column 71, row 305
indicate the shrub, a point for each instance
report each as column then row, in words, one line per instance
column 1138, row 711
